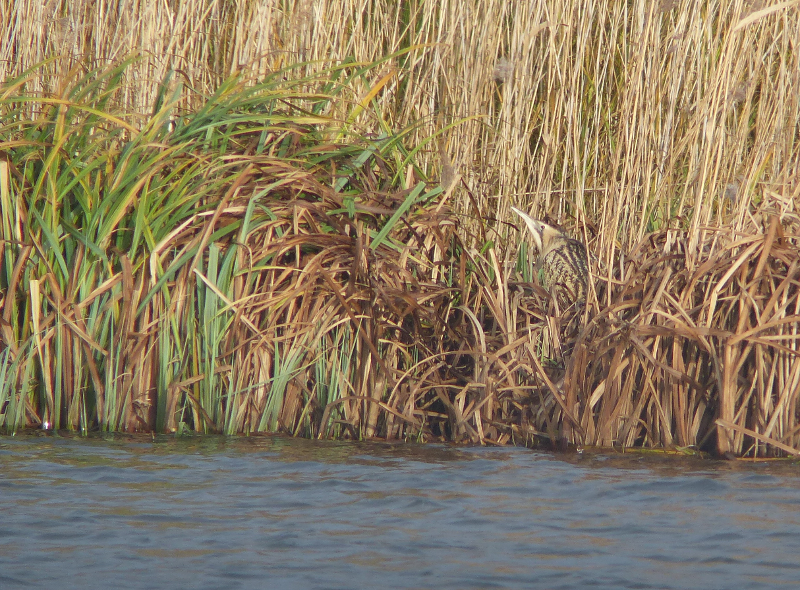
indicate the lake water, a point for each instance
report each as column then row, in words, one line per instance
column 263, row 512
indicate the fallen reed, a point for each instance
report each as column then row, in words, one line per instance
column 293, row 216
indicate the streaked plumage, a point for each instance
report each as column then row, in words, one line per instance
column 563, row 263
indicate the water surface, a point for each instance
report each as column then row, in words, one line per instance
column 213, row 512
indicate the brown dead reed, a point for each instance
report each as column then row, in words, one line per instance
column 682, row 347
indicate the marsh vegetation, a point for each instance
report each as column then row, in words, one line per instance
column 295, row 216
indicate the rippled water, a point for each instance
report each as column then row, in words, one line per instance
column 212, row 512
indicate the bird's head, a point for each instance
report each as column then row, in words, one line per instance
column 545, row 236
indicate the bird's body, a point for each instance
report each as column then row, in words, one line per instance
column 563, row 263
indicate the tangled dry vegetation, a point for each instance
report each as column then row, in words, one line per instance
column 679, row 347
column 268, row 300
column 691, row 348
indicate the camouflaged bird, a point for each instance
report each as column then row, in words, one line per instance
column 563, row 263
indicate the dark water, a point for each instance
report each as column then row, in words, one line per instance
column 280, row 513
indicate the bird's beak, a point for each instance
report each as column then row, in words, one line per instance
column 534, row 226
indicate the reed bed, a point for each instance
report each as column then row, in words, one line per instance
column 621, row 115
column 682, row 355
column 192, row 271
column 294, row 216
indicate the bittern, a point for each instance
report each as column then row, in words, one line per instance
column 563, row 263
